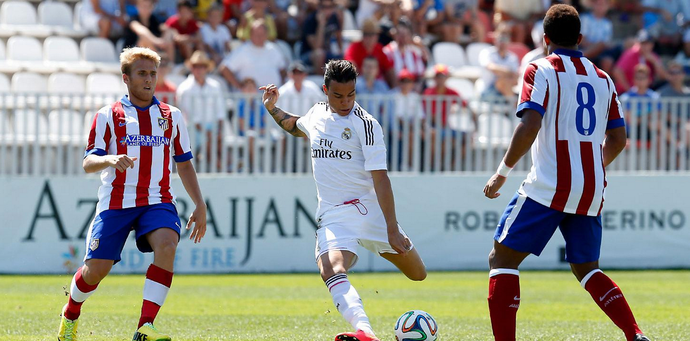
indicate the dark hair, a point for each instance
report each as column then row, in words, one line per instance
column 184, row 3
column 341, row 71
column 562, row 25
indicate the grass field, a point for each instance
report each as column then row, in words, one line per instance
column 298, row 307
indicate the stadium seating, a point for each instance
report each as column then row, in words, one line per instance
column 66, row 90
column 5, row 65
column 63, row 53
column 464, row 86
column 59, row 18
column 66, row 126
column 19, row 17
column 103, row 89
column 494, row 130
column 450, row 54
column 29, row 83
column 102, row 53
column 473, row 51
column 27, row 52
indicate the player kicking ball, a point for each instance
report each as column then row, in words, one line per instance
column 132, row 143
column 355, row 205
column 569, row 110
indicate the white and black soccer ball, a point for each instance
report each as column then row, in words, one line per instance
column 416, row 325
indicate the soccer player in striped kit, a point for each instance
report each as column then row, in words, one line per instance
column 569, row 111
column 132, row 143
column 356, row 205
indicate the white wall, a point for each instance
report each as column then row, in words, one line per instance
column 262, row 224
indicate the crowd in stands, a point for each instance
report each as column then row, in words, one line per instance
column 400, row 47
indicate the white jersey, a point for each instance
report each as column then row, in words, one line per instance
column 578, row 103
column 344, row 151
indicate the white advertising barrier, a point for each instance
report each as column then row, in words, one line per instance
column 265, row 224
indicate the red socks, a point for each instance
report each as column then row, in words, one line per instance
column 156, row 289
column 504, row 301
column 611, row 300
column 79, row 292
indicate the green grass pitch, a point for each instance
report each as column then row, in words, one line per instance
column 298, row 307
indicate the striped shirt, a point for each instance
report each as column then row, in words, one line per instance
column 344, row 151
column 153, row 135
column 596, row 30
column 579, row 104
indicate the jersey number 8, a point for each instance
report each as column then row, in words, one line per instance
column 582, row 106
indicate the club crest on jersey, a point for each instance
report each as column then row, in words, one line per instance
column 164, row 123
column 347, row 134
column 94, row 244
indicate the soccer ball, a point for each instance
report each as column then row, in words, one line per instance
column 416, row 325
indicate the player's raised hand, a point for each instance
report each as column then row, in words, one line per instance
column 493, row 185
column 121, row 162
column 270, row 95
column 198, row 217
column 399, row 242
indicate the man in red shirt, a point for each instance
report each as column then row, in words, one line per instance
column 370, row 46
column 185, row 29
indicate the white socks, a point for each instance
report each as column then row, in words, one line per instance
column 348, row 302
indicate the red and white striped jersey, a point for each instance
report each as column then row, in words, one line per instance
column 578, row 103
column 153, row 135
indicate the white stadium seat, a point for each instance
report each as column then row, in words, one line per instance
column 19, row 17
column 473, row 51
column 5, row 65
column 29, row 82
column 66, row 83
column 59, row 18
column 101, row 52
column 450, row 54
column 63, row 53
column 464, row 86
column 66, row 125
column 27, row 52
column 103, row 88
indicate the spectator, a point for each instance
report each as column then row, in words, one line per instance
column 322, row 38
column 256, row 12
column 429, row 16
column 299, row 93
column 232, row 14
column 165, row 9
column 405, row 54
column 368, row 82
column 463, row 17
column 144, row 29
column 519, row 16
column 597, row 31
column 165, row 89
column 287, row 25
column 251, row 116
column 675, row 86
column 639, row 117
column 185, row 29
column 661, row 20
column 683, row 56
column 369, row 46
column 258, row 59
column 215, row 35
column 407, row 110
column 640, row 52
column 103, row 17
column 202, row 101
column 501, row 67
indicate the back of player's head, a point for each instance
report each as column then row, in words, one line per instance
column 132, row 54
column 562, row 25
column 341, row 71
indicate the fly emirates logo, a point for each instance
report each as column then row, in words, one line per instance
column 326, row 151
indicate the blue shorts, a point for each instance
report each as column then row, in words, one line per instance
column 110, row 229
column 527, row 226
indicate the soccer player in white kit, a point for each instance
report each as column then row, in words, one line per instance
column 356, row 204
column 569, row 110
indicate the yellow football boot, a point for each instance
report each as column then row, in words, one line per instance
column 68, row 328
column 148, row 332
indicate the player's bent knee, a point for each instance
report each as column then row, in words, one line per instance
column 418, row 275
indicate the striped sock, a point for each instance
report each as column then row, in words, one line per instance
column 348, row 302
column 79, row 292
column 156, row 288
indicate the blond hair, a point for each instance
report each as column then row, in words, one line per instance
column 131, row 54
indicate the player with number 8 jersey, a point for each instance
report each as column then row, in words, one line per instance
column 572, row 121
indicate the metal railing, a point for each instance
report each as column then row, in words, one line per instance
column 45, row 134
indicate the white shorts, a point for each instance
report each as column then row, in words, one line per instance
column 346, row 226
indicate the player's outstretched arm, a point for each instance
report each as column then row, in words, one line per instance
column 614, row 143
column 384, row 193
column 523, row 137
column 188, row 176
column 285, row 120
